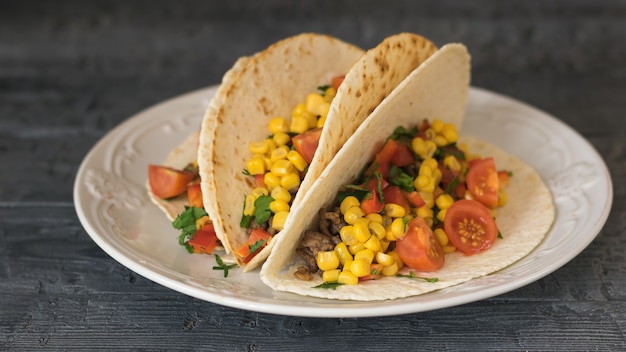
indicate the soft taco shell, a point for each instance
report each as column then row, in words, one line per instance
column 436, row 89
column 271, row 85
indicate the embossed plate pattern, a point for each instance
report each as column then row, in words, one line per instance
column 112, row 205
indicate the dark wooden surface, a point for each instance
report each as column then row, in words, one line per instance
column 72, row 70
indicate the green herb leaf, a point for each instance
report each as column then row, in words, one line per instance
column 405, row 222
column 399, row 178
column 413, row 276
column 452, row 185
column 186, row 223
column 379, row 186
column 323, row 89
column 500, row 234
column 256, row 245
column 246, row 172
column 262, row 210
column 223, row 266
column 329, row 285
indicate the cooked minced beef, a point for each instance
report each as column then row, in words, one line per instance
column 323, row 240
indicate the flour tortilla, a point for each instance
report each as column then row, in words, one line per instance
column 436, row 89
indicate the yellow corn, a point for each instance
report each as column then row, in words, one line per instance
column 424, row 184
column 321, row 121
column 373, row 243
column 374, row 217
column 449, row 249
column 441, row 236
column 279, row 205
column 502, row 198
column 256, row 165
column 428, row 198
column 352, row 214
column 327, row 260
column 377, row 229
column 348, row 235
column 259, row 191
column 279, row 219
column 298, row 110
column 343, row 253
column 278, row 125
column 452, row 163
column 347, row 278
column 384, row 259
column 441, row 215
column 281, row 138
column 424, row 212
column 384, row 244
column 444, row 201
column 361, row 231
column 360, row 267
column 279, row 193
column 423, row 148
column 437, row 125
column 299, row 124
column 449, row 133
column 279, row 153
column 356, row 248
column 365, row 254
column 290, row 181
column 390, row 270
column 348, row 202
column 297, row 160
column 347, row 265
column 259, row 147
column 440, row 141
column 430, row 163
column 314, row 102
column 282, row 167
column 331, row 275
column 394, row 210
column 271, row 181
column 329, row 94
column 397, row 228
column 425, row 170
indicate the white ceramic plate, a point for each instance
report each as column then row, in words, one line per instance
column 112, row 204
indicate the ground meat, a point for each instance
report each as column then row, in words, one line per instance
column 331, row 223
column 323, row 240
column 303, row 274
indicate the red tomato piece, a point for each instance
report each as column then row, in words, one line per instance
column 259, row 180
column 336, row 81
column 166, row 182
column 383, row 158
column 256, row 235
column 482, row 181
column 372, row 203
column 415, row 199
column 503, row 178
column 306, row 143
column 204, row 240
column 470, row 226
column 403, row 156
column 194, row 195
column 419, row 248
column 394, row 194
column 375, row 272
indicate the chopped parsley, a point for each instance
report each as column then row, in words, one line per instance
column 262, row 210
column 186, row 223
column 412, row 275
column 329, row 285
column 223, row 266
column 322, row 89
column 256, row 245
column 399, row 178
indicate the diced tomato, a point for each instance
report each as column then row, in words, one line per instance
column 394, row 194
column 259, row 180
column 194, row 195
column 166, row 182
column 375, row 272
column 460, row 191
column 256, row 235
column 470, row 226
column 336, row 81
column 419, row 248
column 415, row 199
column 424, row 126
column 306, row 143
column 383, row 158
column 503, row 177
column 372, row 203
column 204, row 240
column 482, row 181
column 403, row 156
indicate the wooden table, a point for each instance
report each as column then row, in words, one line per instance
column 70, row 71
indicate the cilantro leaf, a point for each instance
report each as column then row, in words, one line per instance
column 223, row 266
column 262, row 210
column 256, row 245
column 413, row 276
column 399, row 178
column 329, row 285
column 186, row 223
column 322, row 89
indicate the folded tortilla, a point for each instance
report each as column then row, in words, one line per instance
column 271, row 85
column 436, row 89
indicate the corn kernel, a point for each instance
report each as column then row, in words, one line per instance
column 314, row 102
column 248, row 207
column 365, row 254
column 331, row 275
column 390, row 270
column 329, row 94
column 297, row 160
column 425, row 170
column 356, row 248
column 441, row 215
column 441, row 236
column 502, row 198
column 360, row 267
column 290, row 181
column 428, row 198
column 298, row 110
column 279, row 205
column 452, row 163
column 256, row 165
column 347, row 278
column 282, row 167
column 450, row 133
column 424, row 212
column 281, row 138
column 449, row 249
column 348, row 202
column 384, row 259
column 321, row 121
column 343, row 253
column 437, row 125
column 394, row 210
column 348, row 235
column 431, row 163
column 259, row 147
column 377, row 229
column 279, row 219
column 374, row 217
column 327, row 260
column 278, row 125
column 384, row 244
column 444, row 201
column 424, row 184
column 299, row 124
column 361, row 231
column 373, row 244
column 259, row 191
column 398, row 228
column 279, row 193
column 279, row 153
column 271, row 180
column 440, row 141
column 347, row 265
column 352, row 214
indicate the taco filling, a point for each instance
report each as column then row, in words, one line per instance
column 422, row 197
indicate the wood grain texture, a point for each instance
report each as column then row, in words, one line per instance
column 70, row 71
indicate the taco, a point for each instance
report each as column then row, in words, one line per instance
column 269, row 102
column 347, row 247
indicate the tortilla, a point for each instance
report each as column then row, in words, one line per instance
column 436, row 89
column 271, row 85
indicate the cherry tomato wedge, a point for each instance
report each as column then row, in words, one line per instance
column 482, row 181
column 336, row 81
column 166, row 182
column 375, row 272
column 470, row 226
column 419, row 248
column 204, row 240
column 194, row 195
column 383, row 159
column 395, row 195
column 306, row 143
column 256, row 235
column 403, row 156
